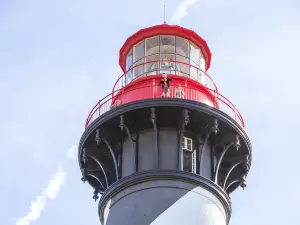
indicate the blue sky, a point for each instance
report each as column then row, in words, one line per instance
column 57, row 58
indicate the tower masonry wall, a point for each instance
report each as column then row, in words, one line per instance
column 161, row 202
column 168, row 150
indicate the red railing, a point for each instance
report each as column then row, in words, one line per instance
column 155, row 67
column 215, row 99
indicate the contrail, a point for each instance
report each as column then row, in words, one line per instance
column 182, row 10
column 50, row 192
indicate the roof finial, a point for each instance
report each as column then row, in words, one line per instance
column 164, row 14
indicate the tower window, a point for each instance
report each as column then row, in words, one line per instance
column 187, row 144
column 189, row 155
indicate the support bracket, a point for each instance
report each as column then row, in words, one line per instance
column 155, row 139
column 84, row 160
column 123, row 126
column 237, row 145
column 213, row 130
column 185, row 121
column 102, row 168
column 98, row 141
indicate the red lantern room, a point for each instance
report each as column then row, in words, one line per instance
column 165, row 50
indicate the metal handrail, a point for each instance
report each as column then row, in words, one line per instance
column 121, row 78
column 106, row 103
column 94, row 109
column 159, row 61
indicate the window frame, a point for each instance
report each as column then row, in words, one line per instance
column 190, row 153
column 185, row 144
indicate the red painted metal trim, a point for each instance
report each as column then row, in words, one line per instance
column 164, row 29
column 105, row 104
column 191, row 84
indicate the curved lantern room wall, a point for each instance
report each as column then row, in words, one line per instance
column 165, row 49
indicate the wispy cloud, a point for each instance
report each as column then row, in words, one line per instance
column 182, row 10
column 72, row 152
column 50, row 192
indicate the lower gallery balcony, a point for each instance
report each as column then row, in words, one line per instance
column 148, row 88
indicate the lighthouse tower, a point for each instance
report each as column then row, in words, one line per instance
column 165, row 146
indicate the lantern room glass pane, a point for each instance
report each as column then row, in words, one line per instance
column 129, row 74
column 194, row 61
column 139, row 51
column 167, row 44
column 202, row 61
column 167, row 64
column 152, row 45
column 182, row 47
column 195, row 54
column 139, row 70
column 182, row 66
column 139, row 58
column 203, row 79
column 152, row 65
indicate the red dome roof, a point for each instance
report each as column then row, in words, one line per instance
column 164, row 29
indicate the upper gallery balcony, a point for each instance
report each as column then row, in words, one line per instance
column 185, row 84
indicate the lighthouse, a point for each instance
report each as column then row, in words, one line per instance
column 164, row 146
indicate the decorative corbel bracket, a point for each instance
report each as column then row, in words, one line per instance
column 98, row 141
column 102, row 168
column 155, row 138
column 122, row 127
column 97, row 178
column 231, row 183
column 84, row 160
column 242, row 182
column 96, row 192
column 185, row 121
column 244, row 161
column 213, row 130
column 243, row 177
column 237, row 145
